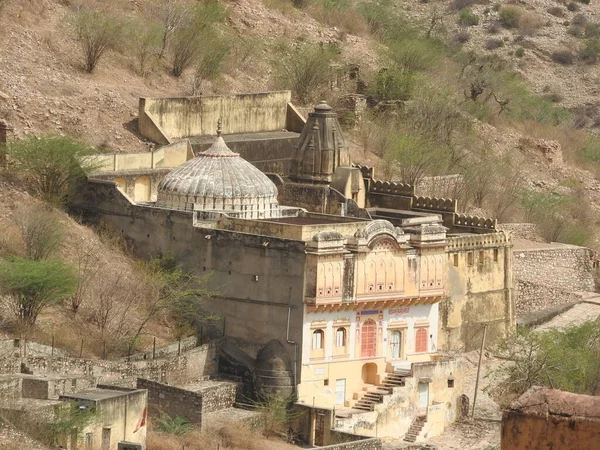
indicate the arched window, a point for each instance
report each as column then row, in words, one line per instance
column 340, row 337
column 395, row 344
column 317, row 340
column 421, row 340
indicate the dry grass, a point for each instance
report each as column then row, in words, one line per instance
column 238, row 437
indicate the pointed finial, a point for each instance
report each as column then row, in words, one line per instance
column 219, row 123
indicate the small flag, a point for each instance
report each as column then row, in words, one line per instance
column 141, row 422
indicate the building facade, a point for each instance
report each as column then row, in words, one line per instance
column 353, row 293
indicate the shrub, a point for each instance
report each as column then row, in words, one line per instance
column 146, row 42
column 520, row 52
column 493, row 44
column 394, row 84
column 462, row 37
column 529, row 23
column 554, row 97
column 494, row 28
column 592, row 29
column 556, row 11
column 579, row 19
column 97, row 32
column 573, row 7
column 173, row 425
column 188, row 40
column 52, row 166
column 459, row 5
column 467, row 18
column 576, row 30
column 416, row 54
column 589, row 53
column 509, row 16
column 306, row 71
column 585, row 2
column 40, row 229
column 564, row 57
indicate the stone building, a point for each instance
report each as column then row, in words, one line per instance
column 549, row 418
column 342, row 288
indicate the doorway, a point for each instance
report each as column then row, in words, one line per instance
column 368, row 339
column 369, row 373
column 340, row 391
column 423, row 395
column 395, row 344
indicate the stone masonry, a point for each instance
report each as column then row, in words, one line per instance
column 547, row 275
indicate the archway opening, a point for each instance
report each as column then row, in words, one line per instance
column 369, row 373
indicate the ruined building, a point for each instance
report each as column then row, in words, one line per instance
column 341, row 288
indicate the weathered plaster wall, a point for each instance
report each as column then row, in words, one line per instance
column 530, row 432
column 195, row 116
column 121, row 414
column 548, row 275
column 479, row 291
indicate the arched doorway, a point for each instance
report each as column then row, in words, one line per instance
column 368, row 339
column 369, row 373
column 142, row 189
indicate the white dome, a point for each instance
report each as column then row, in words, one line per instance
column 219, row 180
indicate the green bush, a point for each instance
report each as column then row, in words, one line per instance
column 52, row 166
column 31, row 286
column 589, row 53
column 509, row 16
column 467, row 18
column 520, row 52
column 592, row 29
column 394, row 84
column 173, row 425
column 573, row 7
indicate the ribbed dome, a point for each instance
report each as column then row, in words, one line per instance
column 219, row 180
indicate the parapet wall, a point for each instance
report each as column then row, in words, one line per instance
column 172, row 155
column 167, row 119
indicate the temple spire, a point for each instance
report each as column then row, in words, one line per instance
column 219, row 126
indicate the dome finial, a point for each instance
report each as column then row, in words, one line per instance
column 219, row 127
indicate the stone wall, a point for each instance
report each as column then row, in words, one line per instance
column 526, row 231
column 192, row 365
column 352, row 442
column 188, row 403
column 171, row 400
column 17, row 347
column 549, row 275
column 219, row 397
column 531, row 297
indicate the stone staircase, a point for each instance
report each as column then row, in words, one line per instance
column 374, row 394
column 415, row 429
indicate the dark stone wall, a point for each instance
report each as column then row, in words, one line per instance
column 171, row 400
column 254, row 284
column 269, row 155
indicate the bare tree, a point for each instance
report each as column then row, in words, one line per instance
column 172, row 15
column 88, row 267
column 97, row 32
column 40, row 228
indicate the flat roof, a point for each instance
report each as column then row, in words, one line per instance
column 98, row 394
column 308, row 220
